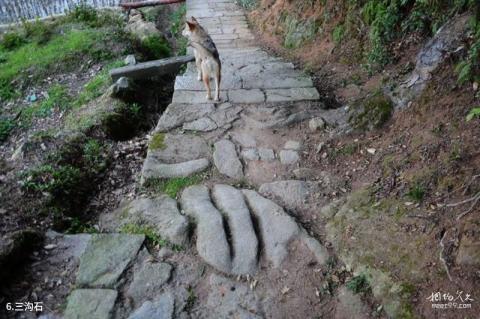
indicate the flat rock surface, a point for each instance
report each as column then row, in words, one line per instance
column 178, row 148
column 105, row 259
column 160, row 213
column 160, row 308
column 148, row 277
column 90, row 304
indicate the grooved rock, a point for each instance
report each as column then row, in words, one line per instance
column 148, row 277
column 105, row 258
column 276, row 227
column 226, row 160
column 160, row 213
column 90, row 304
column 231, row 202
column 212, row 243
column 160, row 308
column 153, row 169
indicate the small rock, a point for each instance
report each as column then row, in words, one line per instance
column 371, row 151
column 319, row 147
column 50, row 247
column 266, row 154
column 316, row 124
column 130, row 60
column 250, row 154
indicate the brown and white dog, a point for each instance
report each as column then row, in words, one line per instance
column 206, row 56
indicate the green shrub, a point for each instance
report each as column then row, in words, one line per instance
column 54, row 180
column 417, row 192
column 85, row 14
column 358, row 284
column 12, row 40
column 6, row 126
column 247, row 4
column 469, row 68
column 155, row 47
column 38, row 31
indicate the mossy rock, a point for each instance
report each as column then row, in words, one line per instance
column 157, row 142
column 370, row 113
column 298, row 32
column 368, row 237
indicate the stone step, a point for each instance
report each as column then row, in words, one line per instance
column 153, row 169
column 249, row 96
column 105, row 259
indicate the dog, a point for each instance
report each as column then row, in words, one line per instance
column 206, row 54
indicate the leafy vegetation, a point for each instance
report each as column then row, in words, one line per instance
column 177, row 21
column 67, row 175
column 475, row 112
column 6, row 126
column 155, row 47
column 469, row 68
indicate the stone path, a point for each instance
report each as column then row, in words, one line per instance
column 242, row 250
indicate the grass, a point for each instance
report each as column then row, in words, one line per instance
column 416, row 192
column 57, row 98
column 172, row 186
column 150, row 234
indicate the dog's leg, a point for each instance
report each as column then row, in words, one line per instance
column 218, row 78
column 198, row 62
column 206, row 81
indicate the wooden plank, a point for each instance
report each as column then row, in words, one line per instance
column 151, row 68
column 147, row 3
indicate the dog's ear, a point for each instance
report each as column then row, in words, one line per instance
column 191, row 25
column 193, row 19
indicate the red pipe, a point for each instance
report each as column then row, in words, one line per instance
column 147, row 3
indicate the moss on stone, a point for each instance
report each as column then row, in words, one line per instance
column 157, row 142
column 371, row 112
